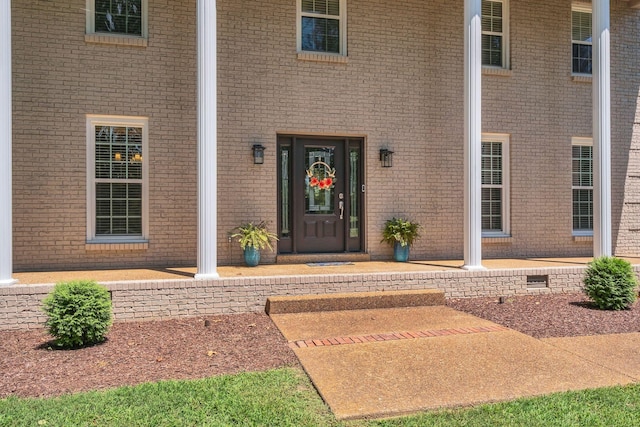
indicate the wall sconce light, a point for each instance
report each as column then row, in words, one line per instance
column 117, row 157
column 258, row 154
column 386, row 158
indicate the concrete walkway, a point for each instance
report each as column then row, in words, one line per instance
column 392, row 361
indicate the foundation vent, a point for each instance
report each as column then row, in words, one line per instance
column 537, row 282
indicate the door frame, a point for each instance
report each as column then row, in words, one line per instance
column 288, row 145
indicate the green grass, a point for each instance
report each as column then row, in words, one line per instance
column 282, row 397
column 285, row 397
column 616, row 406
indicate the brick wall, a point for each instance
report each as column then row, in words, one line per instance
column 58, row 79
column 149, row 300
column 401, row 87
column 625, row 132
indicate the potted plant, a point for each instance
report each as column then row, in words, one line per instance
column 400, row 233
column 252, row 238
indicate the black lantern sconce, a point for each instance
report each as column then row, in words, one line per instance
column 258, row 154
column 386, row 158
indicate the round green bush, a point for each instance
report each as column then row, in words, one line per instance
column 610, row 283
column 79, row 313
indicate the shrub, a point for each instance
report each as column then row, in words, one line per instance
column 79, row 313
column 610, row 283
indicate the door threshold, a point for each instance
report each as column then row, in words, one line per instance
column 329, row 257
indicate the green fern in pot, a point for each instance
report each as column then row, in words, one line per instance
column 400, row 233
column 252, row 238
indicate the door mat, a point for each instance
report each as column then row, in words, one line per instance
column 329, row 264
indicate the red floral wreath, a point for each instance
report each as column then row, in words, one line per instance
column 324, row 180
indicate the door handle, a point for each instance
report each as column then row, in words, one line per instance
column 341, row 206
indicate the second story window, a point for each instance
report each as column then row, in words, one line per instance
column 119, row 18
column 495, row 24
column 322, row 26
column 581, row 36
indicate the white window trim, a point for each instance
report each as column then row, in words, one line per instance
column 581, row 7
column 505, row 38
column 119, row 39
column 343, row 32
column 584, row 141
column 506, row 191
column 98, row 120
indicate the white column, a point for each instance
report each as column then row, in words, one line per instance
column 602, row 239
column 6, row 232
column 472, row 135
column 207, row 141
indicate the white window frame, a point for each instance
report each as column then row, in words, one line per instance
column 585, row 8
column 115, row 38
column 504, row 34
column 581, row 141
column 503, row 139
column 94, row 121
column 343, row 28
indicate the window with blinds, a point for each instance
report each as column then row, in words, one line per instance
column 582, row 186
column 322, row 26
column 581, row 35
column 491, row 186
column 495, row 177
column 494, row 33
column 116, row 191
column 118, row 180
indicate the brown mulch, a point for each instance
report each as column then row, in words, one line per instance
column 557, row 315
column 139, row 352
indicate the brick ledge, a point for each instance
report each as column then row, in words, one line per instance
column 92, row 247
column 393, row 336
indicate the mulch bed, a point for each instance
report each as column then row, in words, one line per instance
column 557, row 315
column 140, row 352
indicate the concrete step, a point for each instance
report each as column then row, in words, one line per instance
column 353, row 301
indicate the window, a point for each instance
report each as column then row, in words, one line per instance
column 582, row 186
column 117, row 18
column 117, row 201
column 322, row 26
column 495, row 185
column 495, row 31
column 581, row 36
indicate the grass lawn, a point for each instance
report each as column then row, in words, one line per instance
column 285, row 397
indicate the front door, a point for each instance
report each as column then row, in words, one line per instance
column 320, row 195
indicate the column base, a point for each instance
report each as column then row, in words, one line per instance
column 474, row 267
column 8, row 282
column 206, row 276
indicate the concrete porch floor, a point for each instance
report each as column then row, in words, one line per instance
column 271, row 270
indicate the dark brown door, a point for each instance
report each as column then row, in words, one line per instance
column 320, row 195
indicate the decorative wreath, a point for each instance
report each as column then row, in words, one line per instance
column 321, row 175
